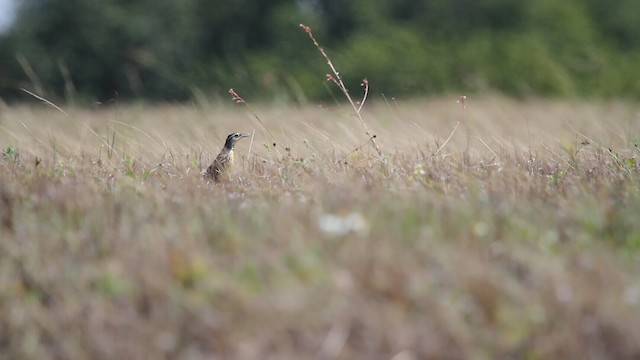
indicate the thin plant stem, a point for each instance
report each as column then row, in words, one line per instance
column 337, row 79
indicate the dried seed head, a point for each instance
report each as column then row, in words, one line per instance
column 235, row 97
column 306, row 28
column 461, row 101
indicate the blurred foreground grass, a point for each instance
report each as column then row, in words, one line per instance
column 518, row 239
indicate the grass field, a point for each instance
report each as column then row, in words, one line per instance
column 518, row 238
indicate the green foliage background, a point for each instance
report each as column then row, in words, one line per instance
column 90, row 50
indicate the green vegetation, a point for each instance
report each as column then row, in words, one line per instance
column 519, row 238
column 90, row 51
column 10, row 154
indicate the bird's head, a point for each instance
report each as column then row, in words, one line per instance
column 233, row 138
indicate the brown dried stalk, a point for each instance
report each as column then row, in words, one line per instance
column 335, row 77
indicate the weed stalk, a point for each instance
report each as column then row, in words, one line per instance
column 357, row 107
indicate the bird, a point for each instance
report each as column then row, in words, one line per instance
column 224, row 161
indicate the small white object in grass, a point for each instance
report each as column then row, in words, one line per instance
column 404, row 355
column 336, row 225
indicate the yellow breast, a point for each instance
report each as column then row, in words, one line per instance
column 230, row 160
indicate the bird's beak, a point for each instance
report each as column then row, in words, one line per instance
column 244, row 135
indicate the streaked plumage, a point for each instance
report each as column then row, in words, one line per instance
column 224, row 161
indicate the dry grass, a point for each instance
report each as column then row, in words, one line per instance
column 519, row 239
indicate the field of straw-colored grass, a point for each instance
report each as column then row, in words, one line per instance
column 505, row 230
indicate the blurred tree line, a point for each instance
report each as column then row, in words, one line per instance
column 91, row 50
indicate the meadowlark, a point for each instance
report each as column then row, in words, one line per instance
column 224, row 161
